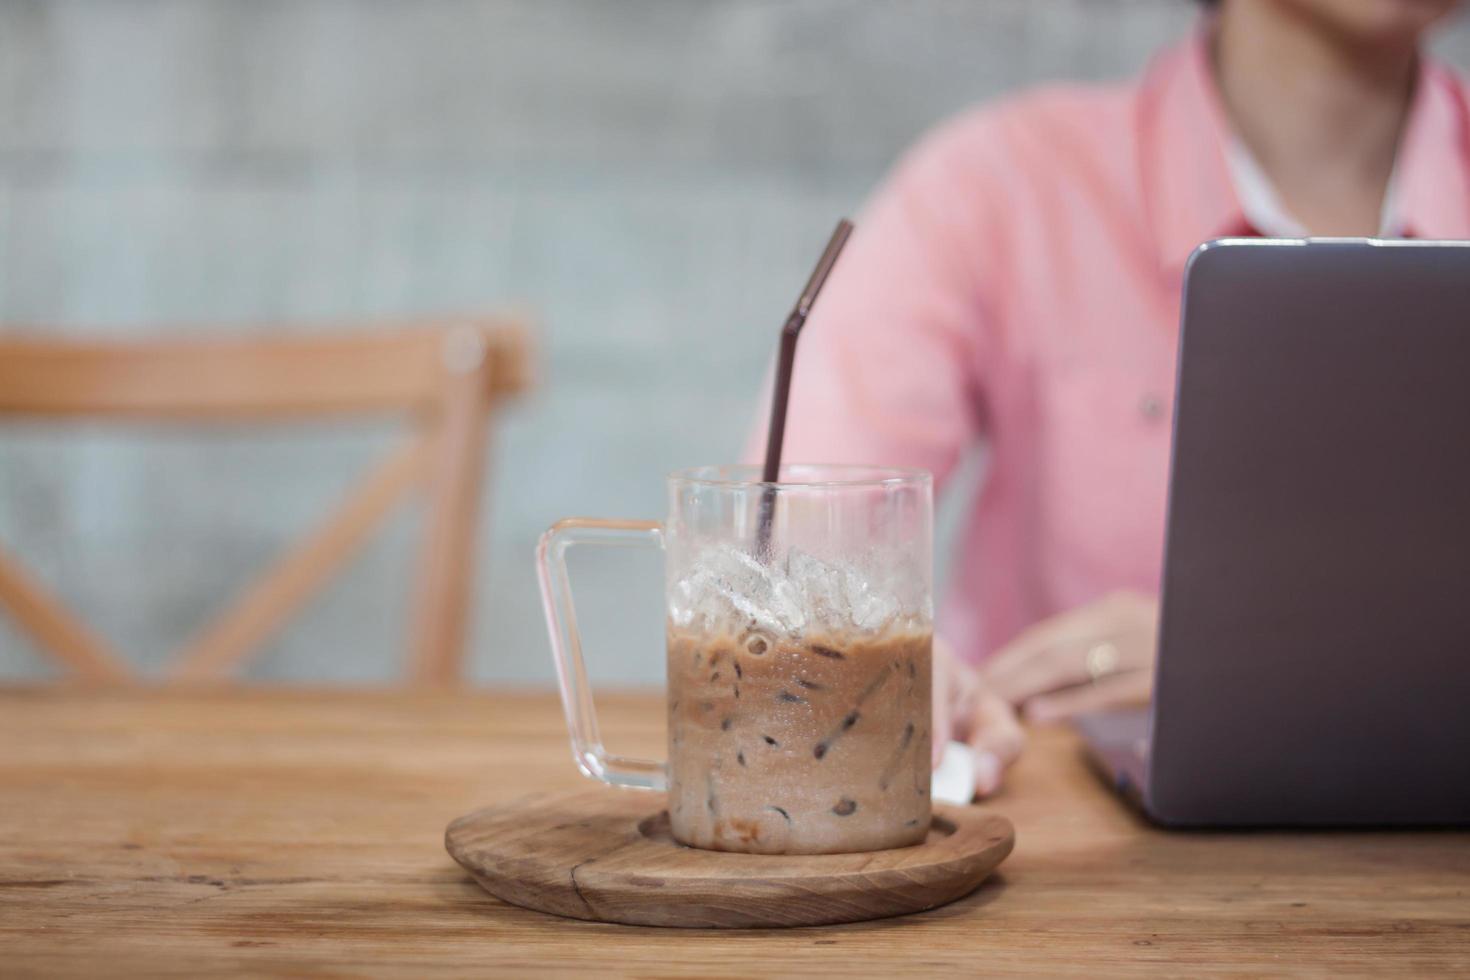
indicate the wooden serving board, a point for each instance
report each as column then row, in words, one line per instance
column 607, row 855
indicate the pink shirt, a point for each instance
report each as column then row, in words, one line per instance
column 1016, row 281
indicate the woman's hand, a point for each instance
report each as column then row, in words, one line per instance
column 1089, row 658
column 965, row 711
column 1093, row 657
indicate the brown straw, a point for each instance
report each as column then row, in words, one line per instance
column 781, row 393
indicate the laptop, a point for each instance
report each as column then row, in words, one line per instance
column 1314, row 636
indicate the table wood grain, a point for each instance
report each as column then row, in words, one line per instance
column 174, row 834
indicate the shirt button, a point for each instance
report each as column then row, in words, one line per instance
column 1151, row 407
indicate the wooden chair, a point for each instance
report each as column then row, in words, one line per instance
column 446, row 377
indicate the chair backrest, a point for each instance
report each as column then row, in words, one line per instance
column 446, row 376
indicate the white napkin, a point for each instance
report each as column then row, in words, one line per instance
column 954, row 780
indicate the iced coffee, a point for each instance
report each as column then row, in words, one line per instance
column 799, row 712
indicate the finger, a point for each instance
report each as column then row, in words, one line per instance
column 1051, row 652
column 1041, row 670
column 1062, row 642
column 1130, row 688
column 956, row 688
column 997, row 738
column 942, row 712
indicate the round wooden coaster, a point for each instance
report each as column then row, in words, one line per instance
column 607, row 855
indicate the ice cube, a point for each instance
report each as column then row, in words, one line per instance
column 870, row 606
column 728, row 587
column 873, row 611
column 681, row 605
column 819, row 583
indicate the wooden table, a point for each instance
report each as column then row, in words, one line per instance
column 268, row 832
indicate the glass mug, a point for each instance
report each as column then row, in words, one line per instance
column 799, row 675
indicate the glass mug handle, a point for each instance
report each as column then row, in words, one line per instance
column 566, row 644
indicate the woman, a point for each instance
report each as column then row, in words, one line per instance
column 1016, row 282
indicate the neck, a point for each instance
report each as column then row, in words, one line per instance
column 1320, row 112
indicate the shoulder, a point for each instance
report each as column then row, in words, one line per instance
column 1043, row 133
column 1017, row 177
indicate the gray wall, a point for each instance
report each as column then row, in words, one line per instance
column 651, row 177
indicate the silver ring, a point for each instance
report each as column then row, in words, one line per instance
column 1102, row 660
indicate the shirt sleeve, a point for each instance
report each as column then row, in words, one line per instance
column 887, row 369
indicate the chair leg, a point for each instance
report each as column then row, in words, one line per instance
column 42, row 615
column 446, row 568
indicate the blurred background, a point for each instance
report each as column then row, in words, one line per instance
column 648, row 180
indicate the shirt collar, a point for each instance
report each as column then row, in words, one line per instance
column 1259, row 204
column 1187, row 191
column 1431, row 193
column 1191, row 193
